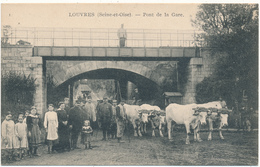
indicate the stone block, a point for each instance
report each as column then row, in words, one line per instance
column 152, row 52
column 177, row 52
column 189, row 52
column 85, row 51
column 44, row 51
column 112, row 52
column 58, row 51
column 37, row 60
column 196, row 61
column 72, row 51
column 138, row 52
column 125, row 52
column 101, row 64
column 99, row 52
column 164, row 52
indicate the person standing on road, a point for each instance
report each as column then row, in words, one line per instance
column 63, row 129
column 113, row 121
column 51, row 126
column 105, row 116
column 8, row 136
column 75, row 122
column 121, row 33
column 120, row 120
column 34, row 124
column 91, row 111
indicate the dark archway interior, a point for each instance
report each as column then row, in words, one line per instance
column 148, row 89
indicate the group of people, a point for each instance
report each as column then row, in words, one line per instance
column 63, row 127
column 22, row 138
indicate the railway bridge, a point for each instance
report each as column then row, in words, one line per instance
column 156, row 61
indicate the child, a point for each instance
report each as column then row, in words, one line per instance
column 51, row 126
column 8, row 136
column 87, row 132
column 34, row 124
column 21, row 136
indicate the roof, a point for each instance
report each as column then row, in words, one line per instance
column 171, row 94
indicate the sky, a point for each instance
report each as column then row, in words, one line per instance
column 133, row 16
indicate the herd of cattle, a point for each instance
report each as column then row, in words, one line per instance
column 191, row 115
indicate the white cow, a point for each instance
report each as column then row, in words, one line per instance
column 133, row 115
column 221, row 118
column 215, row 114
column 185, row 114
column 144, row 115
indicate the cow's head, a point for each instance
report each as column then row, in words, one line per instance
column 223, row 116
column 223, row 120
column 162, row 119
column 144, row 117
column 203, row 117
column 201, row 114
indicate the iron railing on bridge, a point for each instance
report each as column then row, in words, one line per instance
column 101, row 37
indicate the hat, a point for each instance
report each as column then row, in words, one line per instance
column 33, row 107
column 114, row 101
column 9, row 112
column 60, row 103
column 50, row 105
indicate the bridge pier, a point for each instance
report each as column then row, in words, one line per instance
column 19, row 59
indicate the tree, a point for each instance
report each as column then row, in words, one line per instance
column 231, row 29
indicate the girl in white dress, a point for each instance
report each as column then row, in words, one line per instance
column 8, row 137
column 51, row 126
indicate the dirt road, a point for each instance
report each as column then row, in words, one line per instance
column 238, row 148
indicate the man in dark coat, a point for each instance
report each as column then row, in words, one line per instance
column 136, row 97
column 105, row 117
column 75, row 122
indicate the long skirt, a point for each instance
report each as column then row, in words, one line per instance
column 35, row 138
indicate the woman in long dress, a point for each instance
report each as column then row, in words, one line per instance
column 63, row 129
column 34, row 126
column 51, row 126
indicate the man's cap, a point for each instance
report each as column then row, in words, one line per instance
column 50, row 105
column 114, row 101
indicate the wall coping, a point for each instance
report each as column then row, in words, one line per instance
column 15, row 46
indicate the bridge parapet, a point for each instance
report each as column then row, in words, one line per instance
column 163, row 52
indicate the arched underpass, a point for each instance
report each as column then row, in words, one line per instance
column 149, row 90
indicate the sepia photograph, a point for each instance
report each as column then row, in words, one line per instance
column 129, row 84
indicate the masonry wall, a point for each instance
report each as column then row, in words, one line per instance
column 199, row 68
column 19, row 59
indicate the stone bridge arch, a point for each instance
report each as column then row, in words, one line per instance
column 64, row 73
